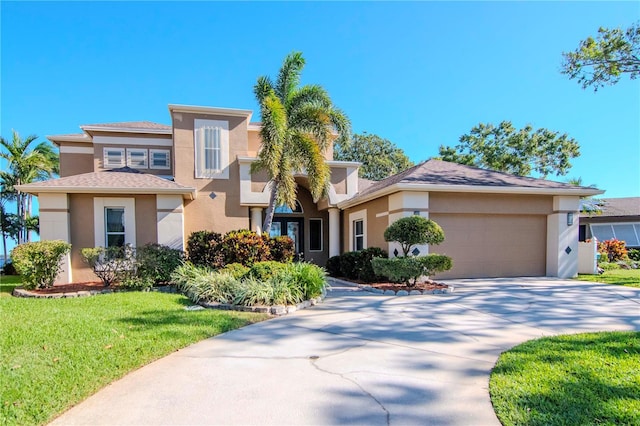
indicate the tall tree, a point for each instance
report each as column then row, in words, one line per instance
column 25, row 164
column 520, row 152
column 298, row 125
column 380, row 157
column 603, row 60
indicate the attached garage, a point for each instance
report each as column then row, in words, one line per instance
column 495, row 224
column 493, row 245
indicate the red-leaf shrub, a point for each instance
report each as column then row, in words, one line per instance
column 614, row 250
column 281, row 249
column 245, row 247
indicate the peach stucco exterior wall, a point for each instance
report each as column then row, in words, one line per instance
column 217, row 206
column 377, row 222
column 75, row 164
column 82, row 228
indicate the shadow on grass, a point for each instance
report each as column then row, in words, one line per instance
column 576, row 379
column 9, row 282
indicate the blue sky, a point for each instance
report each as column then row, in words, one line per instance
column 420, row 74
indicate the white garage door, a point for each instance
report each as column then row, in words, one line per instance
column 493, row 245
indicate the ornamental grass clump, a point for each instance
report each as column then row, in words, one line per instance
column 39, row 262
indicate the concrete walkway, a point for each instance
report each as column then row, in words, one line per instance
column 361, row 358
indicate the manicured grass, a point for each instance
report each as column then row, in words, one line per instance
column 8, row 283
column 57, row 352
column 628, row 277
column 582, row 379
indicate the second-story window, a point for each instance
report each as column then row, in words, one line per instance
column 137, row 158
column 113, row 158
column 159, row 159
column 211, row 148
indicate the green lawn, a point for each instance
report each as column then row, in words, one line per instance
column 8, row 283
column 628, row 277
column 582, row 379
column 57, row 352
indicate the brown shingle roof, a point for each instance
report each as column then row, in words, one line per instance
column 627, row 206
column 125, row 181
column 131, row 125
column 434, row 174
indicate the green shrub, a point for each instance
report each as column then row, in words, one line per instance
column 236, row 270
column 202, row 284
column 112, row 264
column 203, row 249
column 634, row 254
column 405, row 269
column 282, row 249
column 39, row 262
column 9, row 269
column 310, row 278
column 245, row 247
column 364, row 266
column 333, row 266
column 156, row 262
column 349, row 264
column 137, row 283
column 608, row 266
column 411, row 230
column 263, row 271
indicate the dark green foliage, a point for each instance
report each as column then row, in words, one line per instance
column 310, row 278
column 517, row 151
column 333, row 266
column 9, row 269
column 263, row 271
column 411, row 230
column 156, row 262
column 355, row 265
column 137, row 283
column 405, row 269
column 203, row 249
column 349, row 264
column 39, row 262
column 245, row 247
column 282, row 249
column 112, row 264
column 634, row 254
column 380, row 157
column 236, row 270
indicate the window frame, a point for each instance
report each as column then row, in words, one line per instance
column 138, row 151
column 105, row 158
column 316, row 219
column 201, row 129
column 107, row 233
column 360, row 215
column 167, row 153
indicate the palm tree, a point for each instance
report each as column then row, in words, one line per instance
column 297, row 128
column 25, row 165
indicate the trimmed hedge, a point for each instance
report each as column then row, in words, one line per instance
column 356, row 265
column 39, row 262
column 404, row 269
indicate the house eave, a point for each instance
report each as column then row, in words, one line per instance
column 138, row 130
column 187, row 193
column 419, row 187
column 232, row 112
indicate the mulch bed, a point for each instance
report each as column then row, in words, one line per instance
column 422, row 286
column 74, row 287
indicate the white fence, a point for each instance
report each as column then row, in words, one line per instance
column 587, row 257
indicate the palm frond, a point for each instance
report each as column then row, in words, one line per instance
column 289, row 76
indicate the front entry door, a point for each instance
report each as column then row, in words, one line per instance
column 293, row 228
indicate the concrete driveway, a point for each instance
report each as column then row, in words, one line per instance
column 361, row 358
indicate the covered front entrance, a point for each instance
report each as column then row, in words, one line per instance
column 293, row 228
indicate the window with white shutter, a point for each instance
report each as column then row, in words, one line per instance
column 211, row 142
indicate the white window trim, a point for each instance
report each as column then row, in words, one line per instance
column 129, row 205
column 319, row 219
column 136, row 151
column 359, row 215
column 105, row 157
column 198, row 143
column 160, row 151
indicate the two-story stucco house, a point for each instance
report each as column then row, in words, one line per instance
column 143, row 182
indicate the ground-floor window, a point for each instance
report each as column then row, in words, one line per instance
column 315, row 234
column 114, row 226
column 358, row 234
